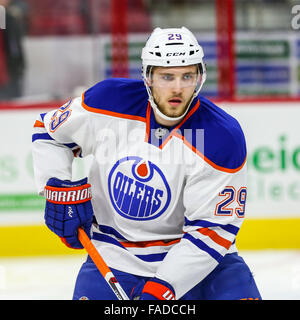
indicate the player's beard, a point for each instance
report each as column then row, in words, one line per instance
column 169, row 111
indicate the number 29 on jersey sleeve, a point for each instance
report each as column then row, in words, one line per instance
column 232, row 202
column 60, row 116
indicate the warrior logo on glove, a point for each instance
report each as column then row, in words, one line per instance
column 68, row 207
column 72, row 195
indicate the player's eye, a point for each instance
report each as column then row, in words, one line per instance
column 188, row 76
column 167, row 77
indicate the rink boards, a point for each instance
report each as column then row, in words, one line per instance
column 256, row 234
column 273, row 212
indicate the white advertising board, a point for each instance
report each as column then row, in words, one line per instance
column 273, row 139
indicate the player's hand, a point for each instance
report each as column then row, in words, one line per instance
column 153, row 289
column 68, row 206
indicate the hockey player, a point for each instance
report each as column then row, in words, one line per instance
column 168, row 180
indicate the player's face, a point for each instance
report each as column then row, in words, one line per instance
column 172, row 88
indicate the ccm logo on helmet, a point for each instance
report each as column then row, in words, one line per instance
column 175, row 54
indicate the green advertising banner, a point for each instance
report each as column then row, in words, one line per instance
column 262, row 49
column 272, row 135
column 264, row 63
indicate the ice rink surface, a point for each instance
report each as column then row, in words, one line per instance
column 277, row 274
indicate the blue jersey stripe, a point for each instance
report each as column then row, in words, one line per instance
column 201, row 245
column 145, row 257
column 111, row 230
column 152, row 257
column 206, row 224
column 43, row 115
column 46, row 136
column 71, row 145
column 106, row 238
column 41, row 136
column 225, row 146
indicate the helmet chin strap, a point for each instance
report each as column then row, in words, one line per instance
column 162, row 115
column 155, row 107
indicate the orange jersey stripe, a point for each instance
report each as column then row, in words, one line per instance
column 39, row 124
column 215, row 237
column 206, row 159
column 145, row 244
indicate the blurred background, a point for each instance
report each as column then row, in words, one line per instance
column 51, row 51
column 52, row 48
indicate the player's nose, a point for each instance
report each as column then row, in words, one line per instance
column 177, row 86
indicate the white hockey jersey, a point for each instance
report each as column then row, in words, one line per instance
column 168, row 202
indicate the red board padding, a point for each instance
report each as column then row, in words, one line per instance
column 7, row 106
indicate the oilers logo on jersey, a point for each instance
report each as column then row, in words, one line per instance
column 138, row 189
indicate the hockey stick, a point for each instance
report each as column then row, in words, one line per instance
column 101, row 265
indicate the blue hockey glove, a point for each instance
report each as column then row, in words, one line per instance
column 68, row 206
column 153, row 289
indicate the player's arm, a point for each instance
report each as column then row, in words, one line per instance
column 58, row 136
column 214, row 199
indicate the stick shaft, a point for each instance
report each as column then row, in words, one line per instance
column 101, row 265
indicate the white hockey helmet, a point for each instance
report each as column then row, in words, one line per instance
column 172, row 47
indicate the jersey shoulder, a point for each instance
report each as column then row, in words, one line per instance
column 224, row 144
column 117, row 97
